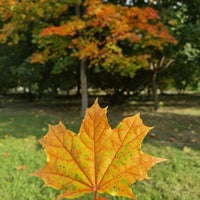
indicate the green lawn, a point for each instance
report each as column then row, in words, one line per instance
column 176, row 136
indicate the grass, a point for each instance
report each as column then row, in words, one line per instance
column 176, row 137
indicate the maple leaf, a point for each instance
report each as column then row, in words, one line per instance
column 98, row 159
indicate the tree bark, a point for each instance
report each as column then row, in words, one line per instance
column 156, row 67
column 84, row 94
column 83, row 75
column 154, row 91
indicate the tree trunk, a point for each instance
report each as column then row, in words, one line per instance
column 154, row 91
column 155, row 67
column 84, row 94
column 78, row 81
column 83, row 76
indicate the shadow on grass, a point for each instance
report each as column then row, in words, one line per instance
column 173, row 126
column 174, row 130
column 176, row 126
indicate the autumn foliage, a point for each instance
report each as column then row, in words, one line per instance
column 98, row 159
column 96, row 34
column 102, row 34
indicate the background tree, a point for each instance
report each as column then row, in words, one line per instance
column 8, row 78
column 102, row 39
column 21, row 23
column 182, row 18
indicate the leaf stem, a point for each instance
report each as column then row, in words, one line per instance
column 95, row 195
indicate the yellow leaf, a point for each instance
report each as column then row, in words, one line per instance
column 37, row 58
column 98, row 159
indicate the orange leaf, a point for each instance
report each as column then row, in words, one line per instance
column 68, row 29
column 98, row 158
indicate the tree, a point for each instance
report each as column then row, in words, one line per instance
column 97, row 34
column 186, row 72
column 99, row 39
column 156, row 67
column 8, row 78
column 182, row 18
column 22, row 21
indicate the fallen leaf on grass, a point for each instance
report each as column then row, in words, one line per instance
column 98, row 159
column 186, row 149
column 153, row 135
column 193, row 140
column 21, row 167
column 5, row 136
column 172, row 139
column 5, row 155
